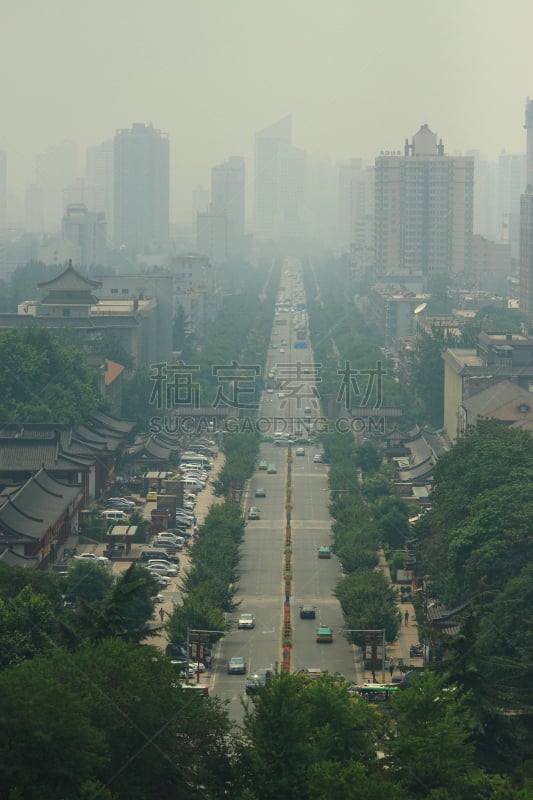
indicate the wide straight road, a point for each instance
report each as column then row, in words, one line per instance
column 261, row 584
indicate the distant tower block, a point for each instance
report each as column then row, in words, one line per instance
column 529, row 142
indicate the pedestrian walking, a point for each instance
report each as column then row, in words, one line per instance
column 406, row 618
column 400, row 618
column 391, row 667
column 161, row 614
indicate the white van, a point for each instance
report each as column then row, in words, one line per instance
column 195, row 458
column 113, row 515
column 191, row 484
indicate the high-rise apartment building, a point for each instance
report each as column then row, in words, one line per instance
column 87, row 230
column 280, row 170
column 526, row 223
column 526, row 254
column 56, row 168
column 424, row 209
column 228, row 195
column 141, row 188
column 101, row 176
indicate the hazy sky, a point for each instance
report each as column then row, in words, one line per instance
column 357, row 75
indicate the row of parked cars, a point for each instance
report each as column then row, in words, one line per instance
column 162, row 557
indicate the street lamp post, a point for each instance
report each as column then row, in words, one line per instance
column 194, row 632
column 374, row 632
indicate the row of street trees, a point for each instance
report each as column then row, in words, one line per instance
column 476, row 544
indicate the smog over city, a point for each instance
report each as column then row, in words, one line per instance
column 357, row 78
column 266, row 408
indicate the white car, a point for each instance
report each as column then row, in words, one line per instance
column 159, row 561
column 161, row 569
column 92, row 558
column 170, row 537
column 246, row 621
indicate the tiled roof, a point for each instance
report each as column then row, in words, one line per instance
column 34, row 507
column 69, row 280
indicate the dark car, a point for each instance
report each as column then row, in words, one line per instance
column 307, row 612
column 259, row 492
column 257, row 680
column 150, row 555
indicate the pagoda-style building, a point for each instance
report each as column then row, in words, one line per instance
column 69, row 295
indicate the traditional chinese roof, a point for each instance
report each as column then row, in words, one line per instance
column 149, row 447
column 31, row 509
column 70, row 281
column 106, row 421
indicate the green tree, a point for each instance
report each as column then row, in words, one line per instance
column 432, row 750
column 122, row 612
column 28, row 627
column 297, row 729
column 368, row 457
column 42, row 381
column 88, row 582
column 428, row 377
column 392, row 520
column 376, row 486
column 108, row 345
column 137, row 401
column 368, row 603
column 49, row 746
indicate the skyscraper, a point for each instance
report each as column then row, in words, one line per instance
column 56, row 168
column 86, row 229
column 279, row 183
column 424, row 209
column 526, row 223
column 101, row 175
column 227, row 195
column 526, row 254
column 141, row 163
column 528, row 125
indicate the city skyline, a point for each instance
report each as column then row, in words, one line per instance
column 213, row 75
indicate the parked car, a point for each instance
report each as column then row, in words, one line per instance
column 164, row 562
column 92, row 558
column 166, row 544
column 167, row 572
column 307, row 612
column 162, row 580
column 317, row 458
column 237, row 666
column 138, row 501
column 148, row 555
column 246, row 621
column 111, row 502
column 170, row 538
column 300, row 451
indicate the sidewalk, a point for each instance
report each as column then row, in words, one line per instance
column 397, row 653
column 205, row 499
